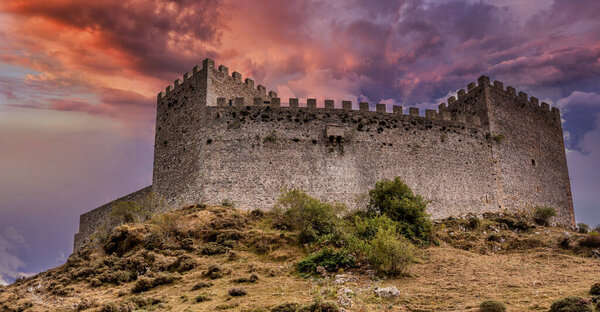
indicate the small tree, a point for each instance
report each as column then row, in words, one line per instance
column 543, row 214
column 397, row 201
column 389, row 253
column 583, row 228
column 296, row 210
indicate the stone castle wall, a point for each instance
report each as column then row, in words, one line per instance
column 92, row 220
column 220, row 137
column 531, row 159
column 249, row 154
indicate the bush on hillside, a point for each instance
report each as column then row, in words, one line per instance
column 389, row 253
column 146, row 283
column 492, row 306
column 543, row 214
column 237, row 292
column 397, row 201
column 319, row 306
column 595, row 289
column 583, row 228
column 366, row 228
column 227, row 203
column 121, row 240
column 592, row 240
column 202, row 298
column 328, row 258
column 571, row 304
column 286, row 307
column 296, row 210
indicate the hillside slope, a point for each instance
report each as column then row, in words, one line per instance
column 221, row 259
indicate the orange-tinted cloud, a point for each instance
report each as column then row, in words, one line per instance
column 107, row 57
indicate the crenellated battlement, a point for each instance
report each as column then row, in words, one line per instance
column 346, row 106
column 449, row 111
column 484, row 82
column 209, row 64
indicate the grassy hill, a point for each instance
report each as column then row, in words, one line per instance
column 214, row 258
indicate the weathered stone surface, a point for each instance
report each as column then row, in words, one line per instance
column 247, row 153
column 387, row 292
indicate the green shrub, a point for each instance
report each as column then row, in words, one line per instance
column 143, row 284
column 319, row 306
column 366, row 228
column 286, row 307
column 237, row 292
column 592, row 240
column 227, row 203
column 202, row 298
column 473, row 223
column 213, row 248
column 492, row 306
column 117, row 277
column 201, row 285
column 583, row 228
column 252, row 279
column 328, row 258
column 571, row 304
column 515, row 222
column 389, row 253
column 146, row 283
column 494, row 237
column 543, row 214
column 595, row 289
column 296, row 210
column 121, row 240
column 397, row 201
column 213, row 272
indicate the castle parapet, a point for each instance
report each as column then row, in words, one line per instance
column 363, row 107
column 413, row 111
column 346, row 105
column 237, row 76
column 444, row 111
column 275, row 102
column 224, row 69
column 329, row 104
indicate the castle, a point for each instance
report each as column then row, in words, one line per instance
column 219, row 137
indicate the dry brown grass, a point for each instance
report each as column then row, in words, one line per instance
column 447, row 278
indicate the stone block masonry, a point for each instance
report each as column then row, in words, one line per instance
column 220, row 137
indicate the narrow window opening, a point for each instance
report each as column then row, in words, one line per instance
column 230, row 102
column 533, row 162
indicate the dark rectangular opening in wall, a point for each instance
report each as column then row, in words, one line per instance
column 533, row 162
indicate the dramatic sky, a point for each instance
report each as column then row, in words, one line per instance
column 78, row 83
